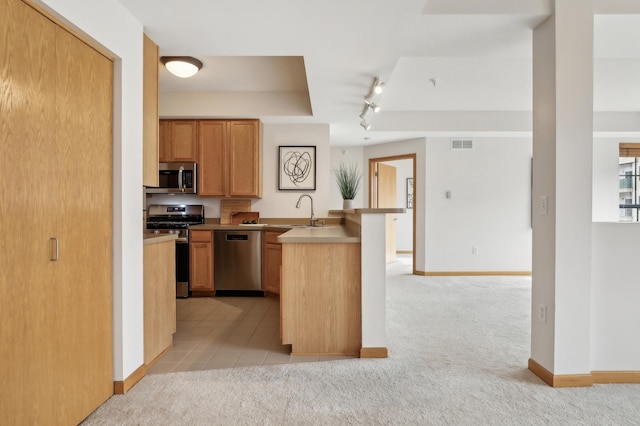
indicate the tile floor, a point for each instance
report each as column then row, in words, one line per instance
column 226, row 332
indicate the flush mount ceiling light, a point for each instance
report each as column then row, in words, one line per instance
column 182, row 66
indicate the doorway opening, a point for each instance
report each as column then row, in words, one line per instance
column 385, row 191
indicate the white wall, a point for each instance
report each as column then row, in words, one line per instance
column 615, row 317
column 276, row 203
column 348, row 155
column 96, row 19
column 489, row 206
column 605, row 179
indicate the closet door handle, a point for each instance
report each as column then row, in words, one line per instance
column 54, row 249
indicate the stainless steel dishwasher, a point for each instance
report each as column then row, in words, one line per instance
column 237, row 263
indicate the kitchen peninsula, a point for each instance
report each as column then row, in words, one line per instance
column 332, row 281
column 333, row 295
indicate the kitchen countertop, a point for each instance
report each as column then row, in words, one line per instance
column 320, row 234
column 384, row 210
column 294, row 233
column 255, row 227
column 158, row 238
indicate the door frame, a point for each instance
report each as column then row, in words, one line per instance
column 372, row 186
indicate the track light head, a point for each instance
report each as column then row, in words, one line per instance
column 369, row 98
column 365, row 125
column 374, row 107
column 363, row 115
column 378, row 86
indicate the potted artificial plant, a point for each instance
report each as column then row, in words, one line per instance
column 348, row 179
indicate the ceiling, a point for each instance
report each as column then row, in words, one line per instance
column 326, row 54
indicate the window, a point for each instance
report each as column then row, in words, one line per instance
column 629, row 179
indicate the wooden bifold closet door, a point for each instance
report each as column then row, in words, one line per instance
column 56, row 221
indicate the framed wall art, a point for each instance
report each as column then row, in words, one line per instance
column 297, row 168
column 409, row 193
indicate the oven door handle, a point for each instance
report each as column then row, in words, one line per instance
column 180, row 178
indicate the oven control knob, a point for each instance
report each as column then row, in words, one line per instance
column 156, row 232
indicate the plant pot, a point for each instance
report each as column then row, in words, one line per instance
column 347, row 204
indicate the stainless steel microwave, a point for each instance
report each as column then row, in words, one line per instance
column 176, row 178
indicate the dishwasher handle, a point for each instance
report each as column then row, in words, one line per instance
column 237, row 237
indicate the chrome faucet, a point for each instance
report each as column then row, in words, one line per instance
column 313, row 218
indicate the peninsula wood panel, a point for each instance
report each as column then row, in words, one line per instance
column 320, row 298
column 159, row 298
column 150, row 112
column 56, row 328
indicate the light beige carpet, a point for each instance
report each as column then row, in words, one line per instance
column 458, row 350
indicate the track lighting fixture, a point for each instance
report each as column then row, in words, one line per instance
column 376, row 89
column 182, row 66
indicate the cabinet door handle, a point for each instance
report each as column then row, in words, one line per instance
column 54, row 249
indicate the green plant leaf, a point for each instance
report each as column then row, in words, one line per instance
column 348, row 179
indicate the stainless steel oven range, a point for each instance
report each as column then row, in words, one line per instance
column 176, row 219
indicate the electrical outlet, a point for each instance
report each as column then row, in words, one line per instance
column 542, row 313
column 474, row 250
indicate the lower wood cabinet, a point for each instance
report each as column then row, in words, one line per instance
column 159, row 299
column 201, row 262
column 271, row 262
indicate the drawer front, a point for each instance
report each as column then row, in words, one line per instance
column 201, row 236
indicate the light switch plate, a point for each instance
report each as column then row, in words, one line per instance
column 543, row 205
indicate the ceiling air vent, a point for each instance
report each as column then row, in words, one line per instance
column 458, row 144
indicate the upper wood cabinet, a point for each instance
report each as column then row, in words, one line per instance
column 178, row 141
column 230, row 158
column 212, row 163
column 150, row 113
